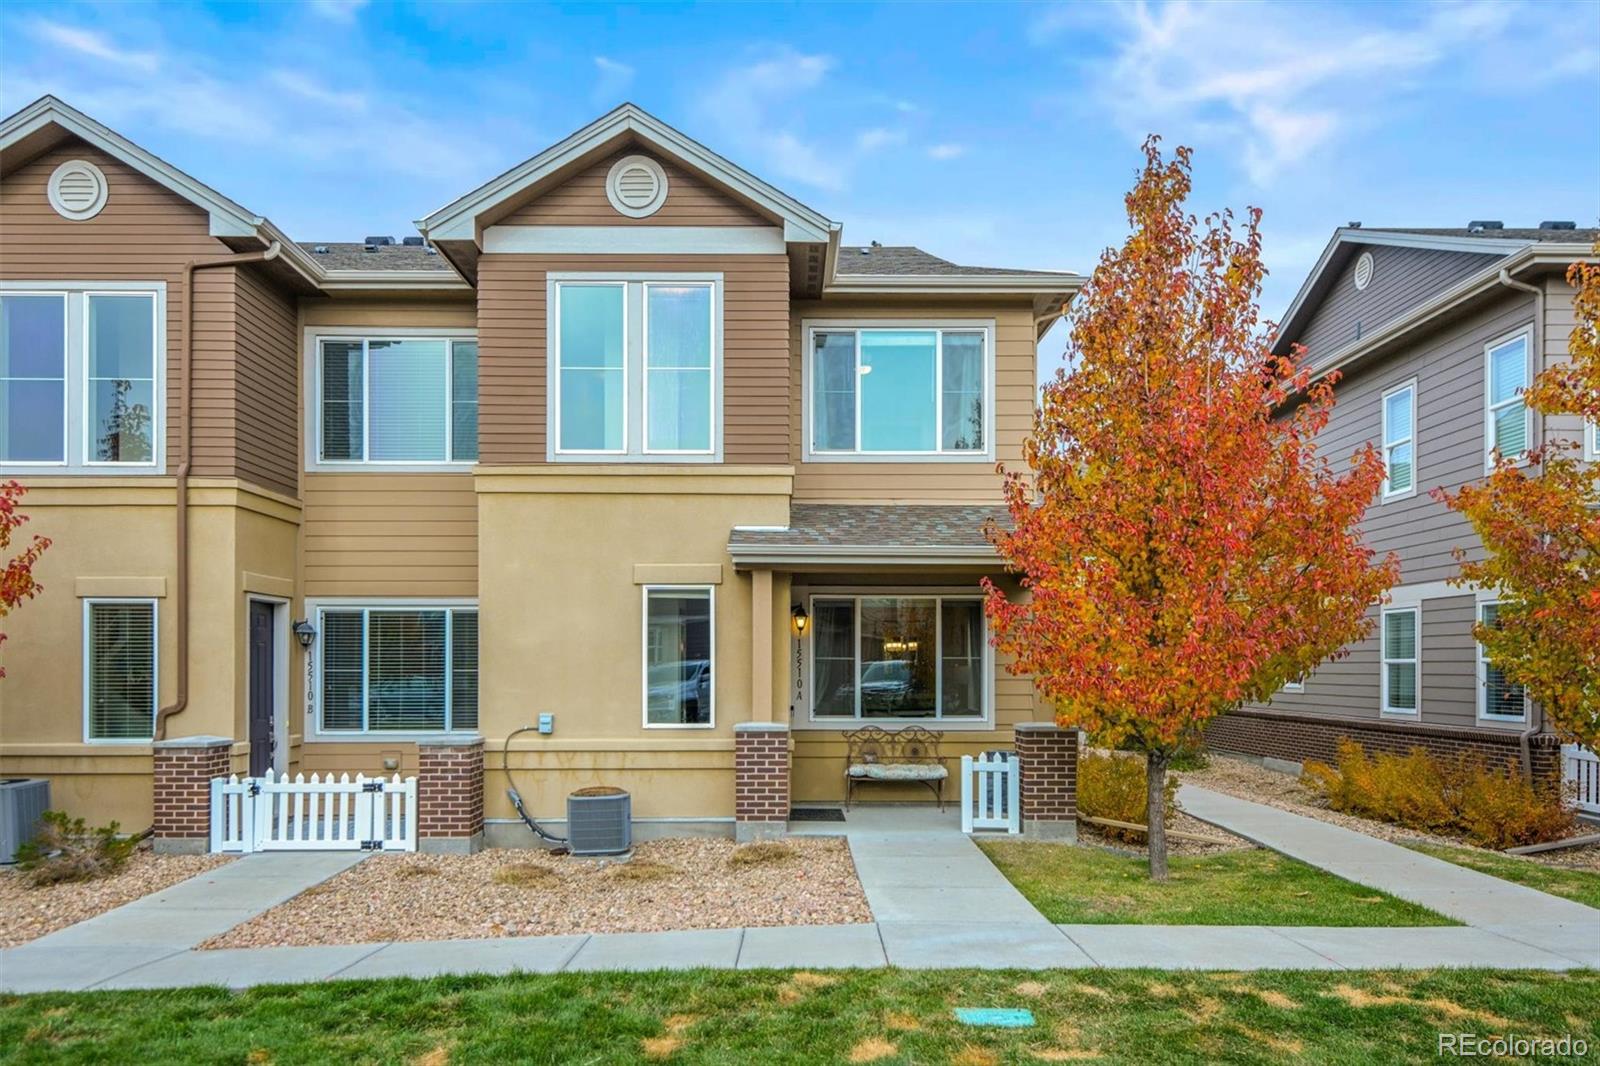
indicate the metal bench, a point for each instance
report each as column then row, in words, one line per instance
column 874, row 754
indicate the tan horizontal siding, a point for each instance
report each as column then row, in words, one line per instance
column 512, row 349
column 935, row 482
column 581, row 201
column 268, row 409
column 391, row 313
column 374, row 534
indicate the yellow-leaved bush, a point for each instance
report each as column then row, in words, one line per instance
column 1460, row 795
column 1113, row 786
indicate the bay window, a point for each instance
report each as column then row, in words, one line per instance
column 397, row 669
column 397, row 400
column 899, row 390
column 635, row 367
column 898, row 657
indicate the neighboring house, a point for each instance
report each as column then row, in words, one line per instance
column 597, row 445
column 1435, row 333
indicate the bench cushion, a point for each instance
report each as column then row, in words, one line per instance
column 897, row 771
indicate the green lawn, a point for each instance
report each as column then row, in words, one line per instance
column 1580, row 885
column 889, row 1016
column 1083, row 885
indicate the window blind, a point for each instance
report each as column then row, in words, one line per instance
column 122, row 671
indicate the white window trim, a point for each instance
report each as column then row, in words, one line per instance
column 75, row 401
column 1386, row 446
column 808, row 331
column 1483, row 676
column 1293, row 687
column 1384, row 661
column 314, row 608
column 644, row 373
column 155, row 667
column 806, row 718
column 634, row 411
column 1591, row 440
column 1525, row 333
column 311, row 364
column 644, row 655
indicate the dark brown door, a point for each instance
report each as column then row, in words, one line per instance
column 262, row 678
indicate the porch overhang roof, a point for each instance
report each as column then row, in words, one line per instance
column 872, row 536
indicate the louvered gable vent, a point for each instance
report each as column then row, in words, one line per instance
column 636, row 186
column 77, row 190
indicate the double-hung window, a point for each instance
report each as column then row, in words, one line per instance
column 899, row 391
column 1507, row 430
column 1399, row 441
column 898, row 657
column 397, row 400
column 119, row 670
column 81, row 377
column 679, row 656
column 1498, row 699
column 1402, row 660
column 635, row 367
column 397, row 669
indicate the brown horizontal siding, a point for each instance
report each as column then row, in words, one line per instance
column 581, row 201
column 267, row 397
column 376, row 534
column 455, row 313
column 512, row 349
column 1401, row 279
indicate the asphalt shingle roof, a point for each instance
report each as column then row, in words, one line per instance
column 346, row 255
column 1563, row 236
column 891, row 525
column 892, row 260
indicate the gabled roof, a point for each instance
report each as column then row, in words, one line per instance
column 457, row 219
column 349, row 255
column 878, row 260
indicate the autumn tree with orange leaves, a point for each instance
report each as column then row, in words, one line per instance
column 16, row 581
column 1181, row 545
column 1540, row 525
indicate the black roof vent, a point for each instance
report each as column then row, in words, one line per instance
column 1479, row 225
column 321, row 249
column 411, row 242
column 380, row 241
column 1353, row 225
column 1558, row 225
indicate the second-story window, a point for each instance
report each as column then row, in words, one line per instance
column 634, row 367
column 1507, row 427
column 397, row 400
column 899, row 391
column 1399, row 440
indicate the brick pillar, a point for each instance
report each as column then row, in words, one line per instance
column 183, row 771
column 760, row 780
column 450, row 794
column 1048, row 758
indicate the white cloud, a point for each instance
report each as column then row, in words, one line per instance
column 754, row 109
column 878, row 138
column 306, row 88
column 338, row 10
column 947, row 151
column 615, row 78
column 93, row 45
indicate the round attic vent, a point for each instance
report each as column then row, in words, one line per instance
column 636, row 186
column 77, row 190
column 1363, row 275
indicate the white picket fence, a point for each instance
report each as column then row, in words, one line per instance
column 272, row 814
column 991, row 789
column 1580, row 769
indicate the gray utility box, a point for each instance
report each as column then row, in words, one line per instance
column 23, row 802
column 599, row 821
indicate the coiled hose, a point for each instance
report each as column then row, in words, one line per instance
column 516, row 798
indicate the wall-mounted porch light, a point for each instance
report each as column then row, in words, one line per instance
column 305, row 633
column 799, row 621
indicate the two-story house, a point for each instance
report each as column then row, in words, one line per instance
column 1435, row 333
column 625, row 437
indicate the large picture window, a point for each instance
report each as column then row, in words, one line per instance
column 679, row 656
column 119, row 670
column 889, row 391
column 898, row 657
column 1402, row 660
column 635, row 367
column 1507, row 430
column 1498, row 699
column 81, row 378
column 397, row 400
column 398, row 669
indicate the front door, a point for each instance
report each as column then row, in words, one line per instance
column 263, row 678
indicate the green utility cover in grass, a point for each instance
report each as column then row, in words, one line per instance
column 995, row 1017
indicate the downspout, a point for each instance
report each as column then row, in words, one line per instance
column 1525, row 738
column 186, row 437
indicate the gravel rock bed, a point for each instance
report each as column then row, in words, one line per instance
column 685, row 883
column 28, row 913
column 1252, row 781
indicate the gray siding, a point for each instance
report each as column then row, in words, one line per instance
column 1402, row 278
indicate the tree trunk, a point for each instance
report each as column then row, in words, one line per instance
column 1156, row 811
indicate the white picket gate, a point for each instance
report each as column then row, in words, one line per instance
column 273, row 814
column 1580, row 769
column 991, row 792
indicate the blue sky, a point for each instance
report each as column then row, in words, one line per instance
column 988, row 134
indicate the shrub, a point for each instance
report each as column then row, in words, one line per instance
column 524, row 875
column 66, row 849
column 1493, row 806
column 761, row 853
column 1113, row 786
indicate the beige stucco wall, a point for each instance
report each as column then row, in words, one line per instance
column 114, row 537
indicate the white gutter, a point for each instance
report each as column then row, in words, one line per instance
column 979, row 284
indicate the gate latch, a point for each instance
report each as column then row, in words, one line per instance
column 372, row 845
column 372, row 786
